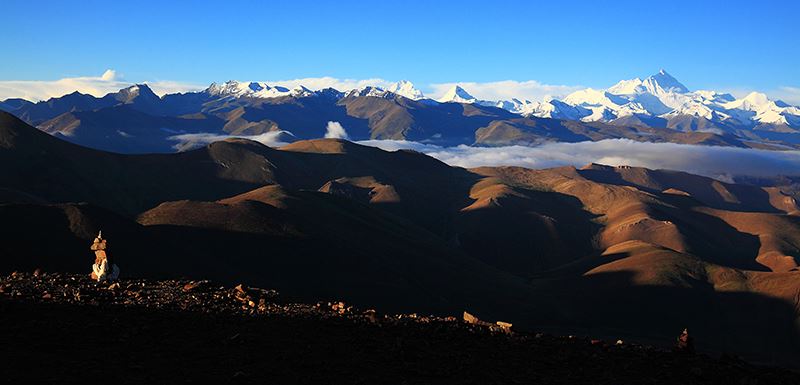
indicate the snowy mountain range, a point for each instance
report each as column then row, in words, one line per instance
column 657, row 97
column 656, row 100
column 663, row 96
column 238, row 89
column 658, row 108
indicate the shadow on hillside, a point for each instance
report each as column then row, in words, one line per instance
column 609, row 305
column 712, row 239
column 529, row 234
column 413, row 280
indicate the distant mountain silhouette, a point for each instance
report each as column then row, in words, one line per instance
column 135, row 120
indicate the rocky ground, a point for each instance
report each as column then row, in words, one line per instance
column 65, row 328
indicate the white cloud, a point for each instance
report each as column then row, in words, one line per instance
column 331, row 82
column 335, row 130
column 788, row 94
column 507, row 89
column 109, row 75
column 109, row 81
column 189, row 141
column 163, row 87
column 715, row 162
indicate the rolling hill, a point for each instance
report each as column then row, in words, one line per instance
column 620, row 251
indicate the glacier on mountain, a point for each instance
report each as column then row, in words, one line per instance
column 659, row 96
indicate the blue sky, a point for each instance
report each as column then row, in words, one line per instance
column 729, row 45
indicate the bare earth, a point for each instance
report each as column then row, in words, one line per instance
column 74, row 330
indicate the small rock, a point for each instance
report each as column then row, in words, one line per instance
column 371, row 316
column 262, row 305
column 194, row 286
column 504, row 326
column 239, row 374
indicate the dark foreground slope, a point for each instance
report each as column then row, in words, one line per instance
column 140, row 331
column 616, row 251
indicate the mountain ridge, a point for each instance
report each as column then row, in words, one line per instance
column 657, row 108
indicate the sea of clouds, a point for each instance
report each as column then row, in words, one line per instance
column 723, row 163
column 717, row 162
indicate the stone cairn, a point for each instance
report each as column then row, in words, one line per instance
column 685, row 343
column 102, row 269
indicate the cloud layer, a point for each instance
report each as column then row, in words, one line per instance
column 723, row 163
column 717, row 162
column 188, row 141
column 508, row 89
column 331, row 82
column 109, row 81
column 789, row 95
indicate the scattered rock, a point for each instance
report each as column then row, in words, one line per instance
column 412, row 335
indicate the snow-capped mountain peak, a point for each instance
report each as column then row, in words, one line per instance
column 136, row 92
column 760, row 108
column 406, row 89
column 366, row 91
column 456, row 94
column 237, row 89
column 663, row 82
column 133, row 90
column 230, row 88
column 657, row 84
column 754, row 101
column 626, row 87
column 301, row 91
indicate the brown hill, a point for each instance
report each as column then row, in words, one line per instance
column 619, row 250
